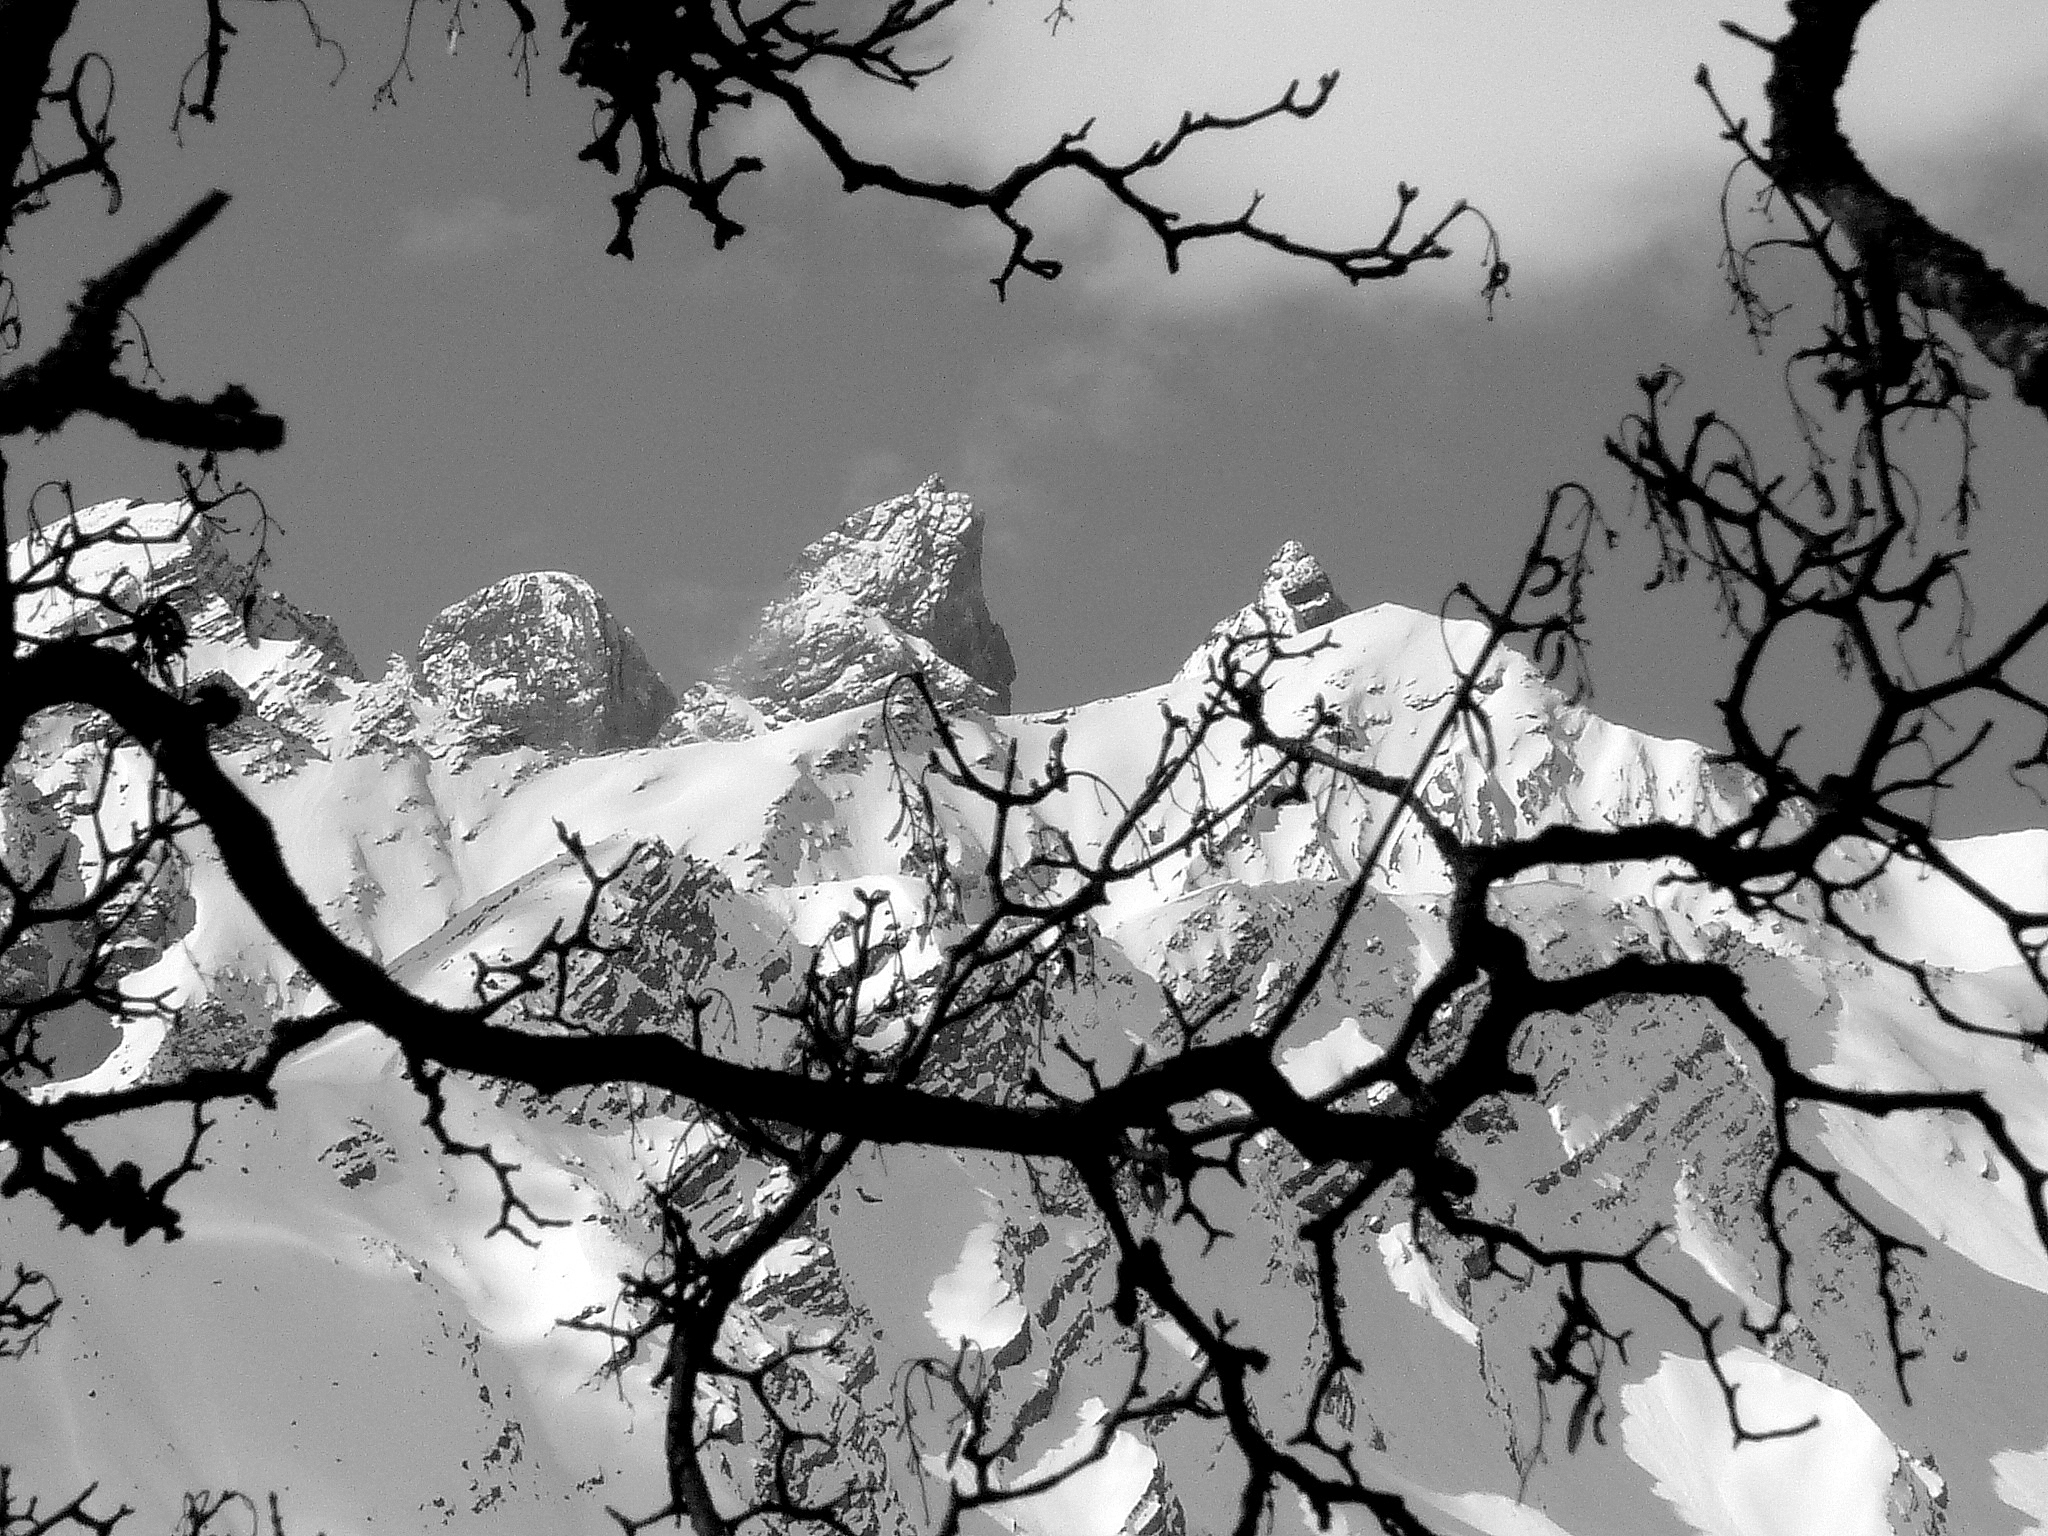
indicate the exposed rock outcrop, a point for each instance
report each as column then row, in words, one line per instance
column 288, row 665
column 539, row 660
column 1296, row 595
column 895, row 588
column 916, row 561
column 189, row 579
column 740, row 874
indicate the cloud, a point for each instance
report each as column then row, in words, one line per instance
column 475, row 229
column 1108, row 387
column 1105, row 389
column 877, row 476
column 704, row 624
column 1576, row 124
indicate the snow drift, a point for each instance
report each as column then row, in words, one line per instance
column 337, row 1327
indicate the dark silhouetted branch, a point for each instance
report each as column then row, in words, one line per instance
column 77, row 375
column 1811, row 157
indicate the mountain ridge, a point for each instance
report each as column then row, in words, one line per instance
column 749, row 832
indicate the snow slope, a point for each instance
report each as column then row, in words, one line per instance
column 337, row 1327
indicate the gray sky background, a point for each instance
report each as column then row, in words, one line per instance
column 474, row 389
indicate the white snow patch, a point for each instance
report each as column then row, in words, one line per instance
column 1176, row 1337
column 1946, row 1176
column 2020, row 1479
column 1942, row 1170
column 1495, row 1514
column 1935, row 1484
column 1923, row 916
column 1329, row 1058
column 1490, row 1514
column 972, row 1303
column 1833, row 1480
column 1098, row 1500
column 1413, row 1278
column 1699, row 1240
column 1575, row 1132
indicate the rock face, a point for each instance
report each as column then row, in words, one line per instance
column 539, row 660
column 895, row 588
column 916, row 561
column 1296, row 595
column 740, row 869
column 286, row 664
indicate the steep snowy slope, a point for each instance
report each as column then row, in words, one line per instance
column 337, row 1327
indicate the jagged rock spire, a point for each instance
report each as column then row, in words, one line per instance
column 916, row 560
column 895, row 587
column 1296, row 595
column 1296, row 582
column 539, row 660
column 283, row 663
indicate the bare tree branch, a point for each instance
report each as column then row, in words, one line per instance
column 33, row 28
column 1811, row 157
column 77, row 374
column 724, row 57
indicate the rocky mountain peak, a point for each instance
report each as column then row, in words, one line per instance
column 1295, row 595
column 286, row 664
column 750, row 860
column 894, row 588
column 916, row 561
column 539, row 660
column 1297, row 585
column 123, row 555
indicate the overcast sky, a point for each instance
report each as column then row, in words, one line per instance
column 473, row 388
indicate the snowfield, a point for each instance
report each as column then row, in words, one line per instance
column 336, row 1326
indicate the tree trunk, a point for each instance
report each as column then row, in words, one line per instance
column 1812, row 158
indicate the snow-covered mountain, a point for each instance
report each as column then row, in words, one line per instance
column 336, row 1326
